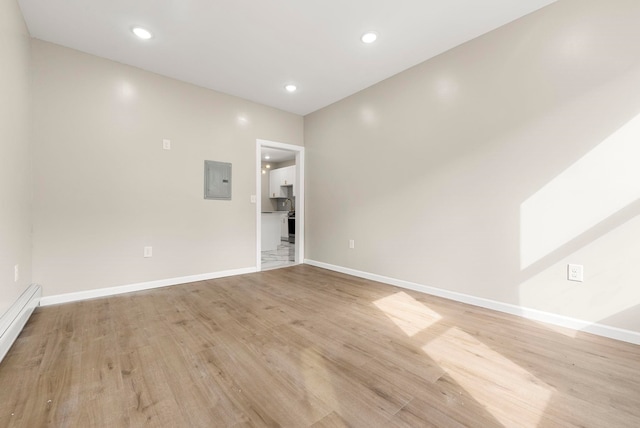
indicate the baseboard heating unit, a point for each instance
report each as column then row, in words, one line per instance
column 14, row 319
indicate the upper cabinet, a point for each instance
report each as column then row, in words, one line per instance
column 275, row 190
column 288, row 176
column 278, row 178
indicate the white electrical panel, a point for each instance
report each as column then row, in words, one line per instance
column 217, row 180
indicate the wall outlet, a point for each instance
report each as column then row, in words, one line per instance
column 148, row 251
column 16, row 273
column 352, row 243
column 166, row 144
column 575, row 273
column 253, row 199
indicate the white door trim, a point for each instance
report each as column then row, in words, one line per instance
column 299, row 151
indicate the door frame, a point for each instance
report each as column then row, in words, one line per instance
column 299, row 152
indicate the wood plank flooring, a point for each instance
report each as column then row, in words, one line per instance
column 306, row 347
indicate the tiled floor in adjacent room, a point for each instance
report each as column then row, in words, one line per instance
column 284, row 255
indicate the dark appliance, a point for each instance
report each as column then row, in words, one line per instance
column 292, row 227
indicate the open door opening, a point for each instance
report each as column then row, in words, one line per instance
column 279, row 205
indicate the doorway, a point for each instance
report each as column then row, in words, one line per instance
column 279, row 205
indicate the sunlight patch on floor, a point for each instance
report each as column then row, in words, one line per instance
column 315, row 377
column 511, row 394
column 407, row 313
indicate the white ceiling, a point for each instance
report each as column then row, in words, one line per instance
column 252, row 48
column 276, row 155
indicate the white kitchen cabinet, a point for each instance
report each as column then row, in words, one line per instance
column 284, row 227
column 290, row 179
column 270, row 231
column 279, row 179
column 275, row 188
column 288, row 176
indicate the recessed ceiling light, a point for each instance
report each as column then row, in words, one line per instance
column 267, row 157
column 369, row 37
column 291, row 87
column 142, row 33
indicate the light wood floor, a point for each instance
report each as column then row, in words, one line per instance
column 306, row 347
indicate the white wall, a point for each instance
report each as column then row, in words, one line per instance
column 15, row 164
column 488, row 168
column 105, row 188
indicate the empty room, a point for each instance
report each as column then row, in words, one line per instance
column 320, row 214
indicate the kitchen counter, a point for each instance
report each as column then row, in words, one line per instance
column 270, row 230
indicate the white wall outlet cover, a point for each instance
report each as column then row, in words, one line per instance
column 16, row 273
column 148, row 251
column 575, row 272
column 253, row 199
column 352, row 243
column 166, row 144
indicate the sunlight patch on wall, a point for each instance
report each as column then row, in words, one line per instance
column 407, row 313
column 514, row 396
column 611, row 278
column 598, row 185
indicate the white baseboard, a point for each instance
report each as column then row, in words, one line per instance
column 528, row 313
column 14, row 319
column 111, row 291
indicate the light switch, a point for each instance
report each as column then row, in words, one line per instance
column 253, row 199
column 148, row 251
column 166, row 144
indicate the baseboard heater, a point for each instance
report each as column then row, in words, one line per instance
column 14, row 319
